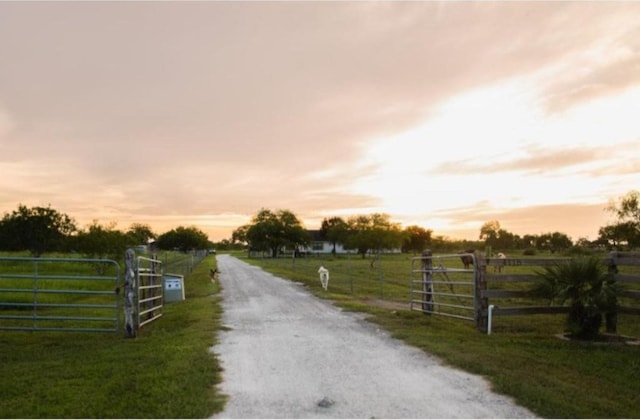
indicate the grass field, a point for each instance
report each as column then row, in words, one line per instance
column 168, row 371
column 523, row 358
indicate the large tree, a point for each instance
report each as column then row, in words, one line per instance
column 489, row 231
column 334, row 230
column 271, row 231
column 239, row 235
column 36, row 229
column 553, row 242
column 627, row 226
column 183, row 239
column 100, row 241
column 375, row 232
column 417, row 239
column 140, row 234
column 498, row 238
column 616, row 235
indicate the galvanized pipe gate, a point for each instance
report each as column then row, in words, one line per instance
column 144, row 292
column 439, row 286
column 59, row 294
column 79, row 294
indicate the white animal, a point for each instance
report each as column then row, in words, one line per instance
column 324, row 277
column 500, row 263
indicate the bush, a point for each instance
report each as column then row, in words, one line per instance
column 589, row 289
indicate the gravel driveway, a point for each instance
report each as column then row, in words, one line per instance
column 291, row 355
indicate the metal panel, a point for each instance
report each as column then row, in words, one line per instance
column 149, row 290
column 59, row 294
column 439, row 286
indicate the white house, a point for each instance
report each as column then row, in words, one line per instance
column 323, row 246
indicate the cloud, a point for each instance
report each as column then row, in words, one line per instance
column 183, row 111
column 532, row 160
column 6, row 124
column 604, row 67
column 574, row 219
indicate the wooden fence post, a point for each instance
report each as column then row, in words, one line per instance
column 611, row 316
column 427, row 282
column 482, row 303
column 129, row 293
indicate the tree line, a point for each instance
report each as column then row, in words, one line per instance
column 273, row 231
column 42, row 230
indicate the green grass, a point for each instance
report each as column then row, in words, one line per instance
column 523, row 358
column 168, row 371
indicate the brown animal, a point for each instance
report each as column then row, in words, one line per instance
column 467, row 260
column 212, row 274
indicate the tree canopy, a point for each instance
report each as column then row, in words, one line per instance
column 496, row 237
column 416, row 239
column 374, row 232
column 99, row 241
column 43, row 229
column 626, row 229
column 183, row 239
column 272, row 231
column 334, row 230
column 140, row 234
column 36, row 229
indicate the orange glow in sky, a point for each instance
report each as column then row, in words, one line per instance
column 442, row 114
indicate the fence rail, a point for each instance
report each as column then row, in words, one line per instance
column 513, row 299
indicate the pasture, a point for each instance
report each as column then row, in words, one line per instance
column 59, row 294
column 523, row 358
column 166, row 372
column 169, row 372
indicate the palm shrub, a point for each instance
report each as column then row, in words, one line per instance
column 589, row 289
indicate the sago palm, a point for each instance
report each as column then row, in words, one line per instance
column 587, row 287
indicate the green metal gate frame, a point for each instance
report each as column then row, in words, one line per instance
column 34, row 301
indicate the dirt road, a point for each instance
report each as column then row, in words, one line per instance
column 291, row 355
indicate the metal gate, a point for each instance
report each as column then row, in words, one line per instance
column 143, row 292
column 150, row 290
column 59, row 294
column 444, row 285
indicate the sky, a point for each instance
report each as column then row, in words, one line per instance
column 444, row 115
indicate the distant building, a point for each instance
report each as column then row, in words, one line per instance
column 319, row 245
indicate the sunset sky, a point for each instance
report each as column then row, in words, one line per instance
column 441, row 114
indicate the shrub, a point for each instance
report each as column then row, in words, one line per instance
column 589, row 289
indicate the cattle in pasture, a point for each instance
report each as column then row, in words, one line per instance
column 467, row 260
column 500, row 263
